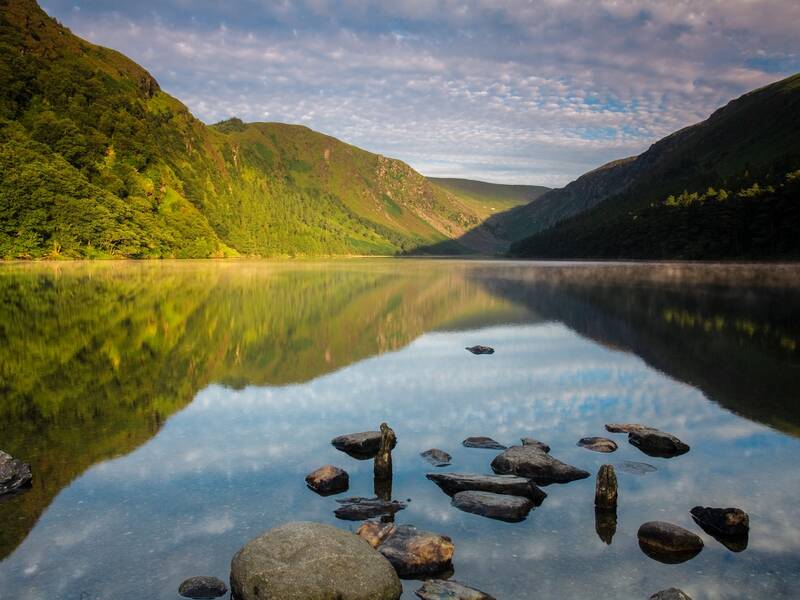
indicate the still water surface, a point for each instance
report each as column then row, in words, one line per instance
column 170, row 412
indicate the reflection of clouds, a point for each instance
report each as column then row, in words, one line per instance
column 232, row 465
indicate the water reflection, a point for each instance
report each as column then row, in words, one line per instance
column 96, row 360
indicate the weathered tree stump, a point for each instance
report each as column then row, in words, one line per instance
column 382, row 467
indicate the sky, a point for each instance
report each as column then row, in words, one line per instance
column 520, row 91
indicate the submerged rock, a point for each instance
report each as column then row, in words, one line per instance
column 668, row 543
column 441, row 589
column 14, row 474
column 328, row 480
column 605, row 495
column 598, row 444
column 359, row 509
column 527, row 441
column 494, row 506
column 203, row 587
column 625, row 427
column 438, row 458
column 531, row 462
column 657, row 443
column 363, row 445
column 484, row 442
column 452, row 483
column 480, row 349
column 411, row 551
column 670, row 594
column 311, row 561
column 729, row 526
column 635, row 468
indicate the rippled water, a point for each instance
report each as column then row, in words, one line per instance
column 170, row 412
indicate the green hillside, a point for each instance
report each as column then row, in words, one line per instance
column 97, row 161
column 728, row 187
column 488, row 199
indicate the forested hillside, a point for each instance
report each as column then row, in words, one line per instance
column 97, row 161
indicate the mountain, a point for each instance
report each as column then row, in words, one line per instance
column 728, row 187
column 490, row 198
column 97, row 161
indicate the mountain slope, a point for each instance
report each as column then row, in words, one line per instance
column 96, row 160
column 727, row 187
column 490, row 198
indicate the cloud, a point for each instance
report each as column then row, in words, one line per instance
column 534, row 92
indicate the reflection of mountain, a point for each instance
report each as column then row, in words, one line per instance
column 94, row 358
column 738, row 343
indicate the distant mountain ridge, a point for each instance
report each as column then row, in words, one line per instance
column 490, row 198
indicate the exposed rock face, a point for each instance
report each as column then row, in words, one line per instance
column 484, row 442
column 598, row 444
column 453, row 483
column 363, row 445
column 495, row 506
column 481, row 349
column 668, row 543
column 527, row 441
column 14, row 474
column 359, row 509
column 635, row 468
column 311, row 561
column 203, row 587
column 657, row 443
column 625, row 427
column 412, row 552
column 328, row 480
column 441, row 589
column 438, row 458
column 670, row 594
column 729, row 526
column 605, row 495
column 531, row 462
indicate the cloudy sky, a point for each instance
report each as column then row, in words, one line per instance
column 517, row 91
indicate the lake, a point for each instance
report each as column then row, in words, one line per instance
column 171, row 410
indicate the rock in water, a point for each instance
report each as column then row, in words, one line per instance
column 527, row 441
column 328, row 480
column 412, row 552
column 375, row 532
column 14, row 474
column 362, row 445
column 598, row 444
column 311, row 561
column 203, row 587
column 531, row 462
column 605, row 523
column 359, row 509
column 438, row 458
column 382, row 466
column 668, row 543
column 484, row 442
column 480, row 349
column 625, row 427
column 635, row 468
column 670, row 594
column 605, row 495
column 657, row 443
column 441, row 589
column 495, row 506
column 452, row 483
column 729, row 526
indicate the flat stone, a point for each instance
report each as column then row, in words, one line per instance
column 531, row 462
column 729, row 526
column 413, row 552
column 484, row 442
column 480, row 349
column 328, row 480
column 363, row 445
column 203, row 587
column 494, row 506
column 14, row 474
column 359, row 509
column 670, row 594
column 635, row 468
column 625, row 427
column 438, row 458
column 598, row 444
column 453, row 483
column 311, row 561
column 527, row 441
column 657, row 443
column 668, row 543
column 441, row 589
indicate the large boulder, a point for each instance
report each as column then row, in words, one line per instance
column 441, row 589
column 359, row 509
column 203, row 587
column 412, row 552
column 483, row 442
column 495, row 506
column 452, row 483
column 729, row 526
column 363, row 445
column 14, row 474
column 533, row 463
column 657, row 443
column 328, row 480
column 311, row 561
column 668, row 543
column 438, row 458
